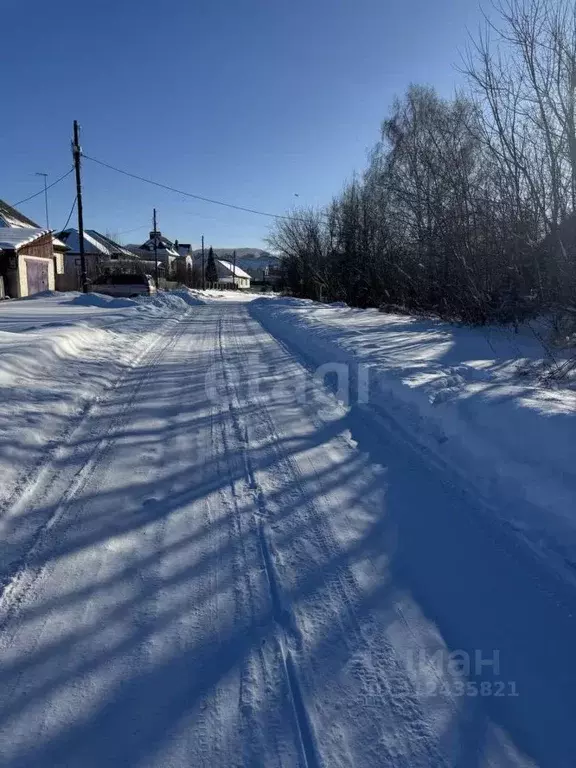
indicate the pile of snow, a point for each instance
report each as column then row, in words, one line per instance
column 210, row 294
column 167, row 303
column 58, row 355
column 46, row 295
column 190, row 297
column 173, row 301
column 48, row 376
column 457, row 392
column 99, row 300
column 161, row 304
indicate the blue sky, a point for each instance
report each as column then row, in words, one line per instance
column 248, row 101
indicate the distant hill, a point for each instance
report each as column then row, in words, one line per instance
column 253, row 260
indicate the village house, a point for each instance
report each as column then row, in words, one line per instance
column 174, row 257
column 103, row 256
column 230, row 275
column 165, row 251
column 31, row 258
column 184, row 262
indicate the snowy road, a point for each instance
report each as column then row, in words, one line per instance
column 231, row 569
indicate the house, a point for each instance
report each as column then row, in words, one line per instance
column 167, row 253
column 102, row 254
column 184, row 249
column 175, row 257
column 184, row 262
column 267, row 275
column 31, row 258
column 230, row 275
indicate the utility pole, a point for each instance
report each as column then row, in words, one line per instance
column 77, row 153
column 203, row 273
column 45, row 198
column 234, row 272
column 155, row 236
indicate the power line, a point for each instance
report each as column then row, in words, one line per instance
column 44, row 189
column 134, row 229
column 189, row 194
column 69, row 215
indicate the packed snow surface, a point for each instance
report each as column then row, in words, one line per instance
column 208, row 559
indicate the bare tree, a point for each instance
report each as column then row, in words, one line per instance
column 465, row 204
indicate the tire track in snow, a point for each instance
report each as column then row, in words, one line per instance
column 287, row 633
column 285, row 622
column 341, row 585
column 255, row 675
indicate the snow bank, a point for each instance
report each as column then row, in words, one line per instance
column 160, row 304
column 43, row 295
column 58, row 355
column 169, row 300
column 190, row 297
column 458, row 392
column 99, row 300
column 211, row 294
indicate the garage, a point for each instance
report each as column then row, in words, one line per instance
column 37, row 274
column 27, row 261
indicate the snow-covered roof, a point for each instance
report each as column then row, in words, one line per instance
column 163, row 244
column 10, row 217
column 110, row 245
column 72, row 239
column 94, row 243
column 15, row 237
column 236, row 271
column 167, row 256
column 57, row 243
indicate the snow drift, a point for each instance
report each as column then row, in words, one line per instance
column 58, row 354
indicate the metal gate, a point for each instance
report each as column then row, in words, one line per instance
column 37, row 274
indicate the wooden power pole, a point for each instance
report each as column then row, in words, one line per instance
column 234, row 272
column 155, row 236
column 77, row 153
column 203, row 281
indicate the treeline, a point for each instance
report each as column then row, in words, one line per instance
column 466, row 208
